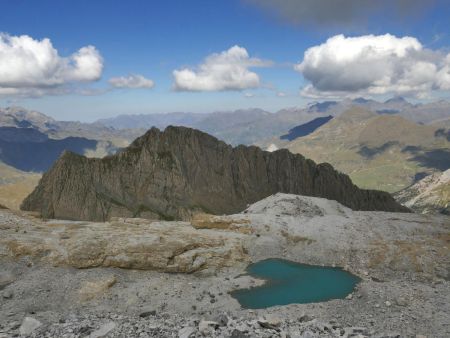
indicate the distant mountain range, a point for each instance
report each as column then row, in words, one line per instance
column 253, row 126
column 246, row 126
column 28, row 149
column 383, row 145
column 427, row 113
column 31, row 141
column 21, row 118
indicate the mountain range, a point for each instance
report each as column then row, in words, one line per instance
column 381, row 145
column 245, row 126
column 31, row 141
column 175, row 173
column 19, row 117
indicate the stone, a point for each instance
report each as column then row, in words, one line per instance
column 187, row 171
column 147, row 312
column 186, row 332
column 222, row 319
column 273, row 320
column 7, row 294
column 305, row 318
column 388, row 303
column 238, row 334
column 6, row 278
column 206, row 326
column 103, row 331
column 96, row 288
column 29, row 324
column 269, row 322
column 401, row 301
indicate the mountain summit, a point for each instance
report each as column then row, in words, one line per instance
column 173, row 173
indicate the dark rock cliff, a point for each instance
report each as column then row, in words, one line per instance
column 170, row 174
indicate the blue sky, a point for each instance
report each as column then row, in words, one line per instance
column 154, row 38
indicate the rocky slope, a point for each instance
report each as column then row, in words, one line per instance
column 78, row 279
column 180, row 171
column 430, row 195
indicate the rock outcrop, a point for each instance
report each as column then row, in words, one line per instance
column 138, row 244
column 174, row 173
column 429, row 195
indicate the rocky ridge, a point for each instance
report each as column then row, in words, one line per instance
column 177, row 172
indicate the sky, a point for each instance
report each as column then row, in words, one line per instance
column 85, row 60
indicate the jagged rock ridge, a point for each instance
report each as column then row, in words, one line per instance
column 172, row 173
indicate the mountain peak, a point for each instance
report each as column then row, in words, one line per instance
column 177, row 172
column 356, row 113
column 361, row 100
column 396, row 99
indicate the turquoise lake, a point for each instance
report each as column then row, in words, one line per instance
column 289, row 282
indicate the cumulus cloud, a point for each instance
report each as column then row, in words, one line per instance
column 228, row 70
column 34, row 67
column 272, row 147
column 338, row 12
column 373, row 65
column 131, row 81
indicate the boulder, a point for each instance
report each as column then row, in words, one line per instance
column 6, row 278
column 93, row 289
column 29, row 324
column 205, row 326
column 103, row 331
column 186, row 332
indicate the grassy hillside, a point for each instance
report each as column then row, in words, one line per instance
column 15, row 185
column 383, row 152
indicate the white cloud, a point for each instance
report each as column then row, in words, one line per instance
column 249, row 95
column 272, row 147
column 34, row 67
column 373, row 65
column 281, row 94
column 131, row 81
column 228, row 70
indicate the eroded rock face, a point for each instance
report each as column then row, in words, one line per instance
column 175, row 173
column 165, row 246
